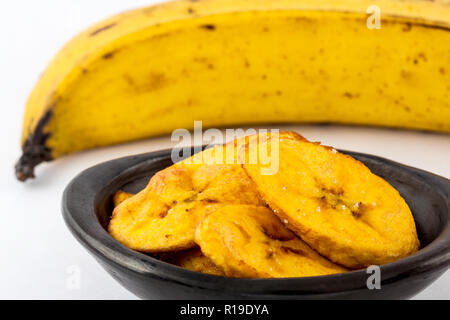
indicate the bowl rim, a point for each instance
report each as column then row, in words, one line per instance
column 79, row 212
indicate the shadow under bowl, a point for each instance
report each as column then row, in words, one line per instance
column 87, row 206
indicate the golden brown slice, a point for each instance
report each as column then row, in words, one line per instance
column 194, row 260
column 120, row 197
column 250, row 241
column 163, row 216
column 334, row 203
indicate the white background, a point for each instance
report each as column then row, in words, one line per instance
column 36, row 249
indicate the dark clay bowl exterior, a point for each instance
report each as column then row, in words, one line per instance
column 87, row 206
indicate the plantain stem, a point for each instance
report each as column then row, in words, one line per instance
column 35, row 150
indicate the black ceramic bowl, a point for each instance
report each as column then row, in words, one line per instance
column 87, row 206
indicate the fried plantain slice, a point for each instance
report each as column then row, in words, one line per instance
column 250, row 241
column 163, row 216
column 194, row 260
column 334, row 202
column 120, row 196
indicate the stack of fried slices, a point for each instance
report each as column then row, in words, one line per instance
column 319, row 212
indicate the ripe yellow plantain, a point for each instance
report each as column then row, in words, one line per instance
column 230, row 62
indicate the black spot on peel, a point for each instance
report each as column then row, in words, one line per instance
column 108, row 55
column 303, row 19
column 100, row 30
column 163, row 214
column 407, row 27
column 405, row 74
column 209, row 27
column 422, row 56
column 350, row 95
column 210, row 200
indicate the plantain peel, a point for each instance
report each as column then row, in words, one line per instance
column 146, row 72
column 334, row 203
column 163, row 217
column 250, row 241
